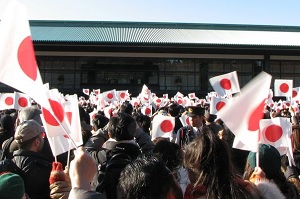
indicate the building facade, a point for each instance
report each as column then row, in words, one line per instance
column 167, row 57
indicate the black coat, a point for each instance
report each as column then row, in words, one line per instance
column 36, row 173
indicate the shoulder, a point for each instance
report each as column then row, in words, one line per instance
column 268, row 189
column 77, row 193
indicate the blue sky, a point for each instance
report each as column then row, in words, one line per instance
column 259, row 12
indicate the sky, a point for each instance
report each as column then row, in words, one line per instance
column 251, row 12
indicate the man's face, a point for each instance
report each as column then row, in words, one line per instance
column 196, row 121
column 41, row 141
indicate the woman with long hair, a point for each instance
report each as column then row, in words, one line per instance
column 208, row 162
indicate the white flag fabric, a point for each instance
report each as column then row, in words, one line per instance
column 275, row 131
column 162, row 126
column 217, row 104
column 283, row 87
column 184, row 119
column 22, row 101
column 7, row 101
column 18, row 67
column 86, row 91
column 226, row 84
column 109, row 96
column 72, row 113
column 296, row 93
column 242, row 116
column 147, row 110
column 122, row 95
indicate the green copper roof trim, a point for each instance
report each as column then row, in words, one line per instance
column 163, row 33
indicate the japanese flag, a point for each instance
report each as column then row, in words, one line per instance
column 166, row 96
column 109, row 96
column 22, row 101
column 92, row 116
column 135, row 101
column 296, row 93
column 242, row 116
column 275, row 131
column 18, row 67
column 226, row 84
column 55, row 115
column 145, row 95
column 192, row 95
column 147, row 110
column 122, row 95
column 217, row 104
column 184, row 119
column 86, row 91
column 72, row 114
column 283, row 87
column 7, row 101
column 162, row 126
column 96, row 91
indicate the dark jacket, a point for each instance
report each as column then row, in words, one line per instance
column 108, row 185
column 186, row 134
column 36, row 173
column 144, row 140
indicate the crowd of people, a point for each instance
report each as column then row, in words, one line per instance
column 119, row 159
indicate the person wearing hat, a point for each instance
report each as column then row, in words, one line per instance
column 196, row 124
column 270, row 164
column 29, row 136
column 11, row 186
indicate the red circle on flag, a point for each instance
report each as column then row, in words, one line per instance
column 179, row 102
column 287, row 104
column 296, row 109
column 23, row 102
column 256, row 115
column 166, row 126
column 158, row 100
column 9, row 101
column 284, row 87
column 122, row 95
column 57, row 110
column 295, row 93
column 220, row 105
column 49, row 117
column 147, row 111
column 225, row 84
column 26, row 58
column 135, row 104
column 187, row 121
column 110, row 95
column 273, row 133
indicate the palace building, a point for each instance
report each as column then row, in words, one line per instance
column 167, row 57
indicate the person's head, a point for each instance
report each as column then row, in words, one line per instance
column 144, row 122
column 269, row 161
column 28, row 113
column 170, row 153
column 99, row 122
column 122, row 126
column 196, row 115
column 147, row 177
column 126, row 107
column 207, row 158
column 30, row 135
column 173, row 110
column 11, row 186
column 7, row 123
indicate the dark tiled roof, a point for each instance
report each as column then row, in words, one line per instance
column 163, row 33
